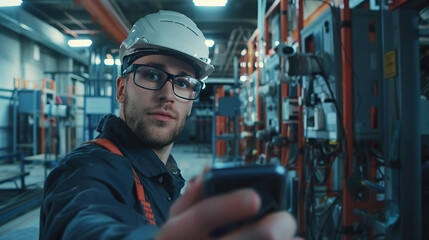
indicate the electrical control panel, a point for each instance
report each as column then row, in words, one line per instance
column 248, row 99
column 270, row 92
column 321, row 77
column 367, row 83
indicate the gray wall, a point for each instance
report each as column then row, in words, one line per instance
column 21, row 57
column 10, row 59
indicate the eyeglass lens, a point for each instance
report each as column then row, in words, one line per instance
column 153, row 78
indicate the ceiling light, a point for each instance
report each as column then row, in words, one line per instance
column 79, row 43
column 209, row 43
column 118, row 62
column 210, row 3
column 109, row 61
column 243, row 52
column 10, row 3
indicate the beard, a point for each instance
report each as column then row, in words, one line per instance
column 150, row 137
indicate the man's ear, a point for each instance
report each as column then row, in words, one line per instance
column 121, row 84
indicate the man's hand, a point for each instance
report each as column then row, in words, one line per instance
column 194, row 218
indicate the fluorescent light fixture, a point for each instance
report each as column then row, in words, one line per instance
column 209, row 43
column 109, row 61
column 118, row 62
column 79, row 43
column 10, row 3
column 210, row 3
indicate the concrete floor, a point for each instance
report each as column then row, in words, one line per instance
column 191, row 160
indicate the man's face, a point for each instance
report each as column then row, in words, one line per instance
column 157, row 117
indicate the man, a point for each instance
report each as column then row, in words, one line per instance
column 123, row 185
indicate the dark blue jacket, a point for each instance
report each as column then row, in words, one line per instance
column 91, row 192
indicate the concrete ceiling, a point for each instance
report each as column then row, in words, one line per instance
column 228, row 26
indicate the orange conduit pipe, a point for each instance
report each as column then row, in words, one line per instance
column 348, row 201
column 114, row 26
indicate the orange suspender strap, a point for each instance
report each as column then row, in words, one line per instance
column 139, row 187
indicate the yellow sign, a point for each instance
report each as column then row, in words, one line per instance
column 390, row 64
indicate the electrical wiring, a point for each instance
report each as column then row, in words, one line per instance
column 294, row 160
column 309, row 194
column 373, row 186
column 337, row 109
column 322, row 230
column 379, row 160
column 331, row 151
column 376, row 153
column 326, row 172
column 381, row 173
column 340, row 220
column 312, row 166
column 331, row 206
column 322, row 165
column 330, row 210
column 335, row 26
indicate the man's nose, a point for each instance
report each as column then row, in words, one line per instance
column 166, row 92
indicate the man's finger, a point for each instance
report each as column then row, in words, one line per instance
column 191, row 196
column 212, row 213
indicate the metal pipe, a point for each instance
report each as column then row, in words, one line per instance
column 230, row 43
column 233, row 50
column 107, row 19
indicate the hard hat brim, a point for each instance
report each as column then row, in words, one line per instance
column 202, row 69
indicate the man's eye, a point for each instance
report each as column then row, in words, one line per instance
column 182, row 83
column 151, row 75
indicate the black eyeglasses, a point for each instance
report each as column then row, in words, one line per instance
column 153, row 78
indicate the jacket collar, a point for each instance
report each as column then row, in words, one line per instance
column 143, row 159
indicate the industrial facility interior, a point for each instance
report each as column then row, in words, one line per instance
column 336, row 92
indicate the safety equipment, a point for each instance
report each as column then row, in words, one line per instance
column 150, row 217
column 167, row 33
column 153, row 78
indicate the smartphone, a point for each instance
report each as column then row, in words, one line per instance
column 269, row 181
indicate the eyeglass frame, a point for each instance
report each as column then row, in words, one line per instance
column 170, row 76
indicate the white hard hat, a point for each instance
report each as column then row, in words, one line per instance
column 169, row 33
